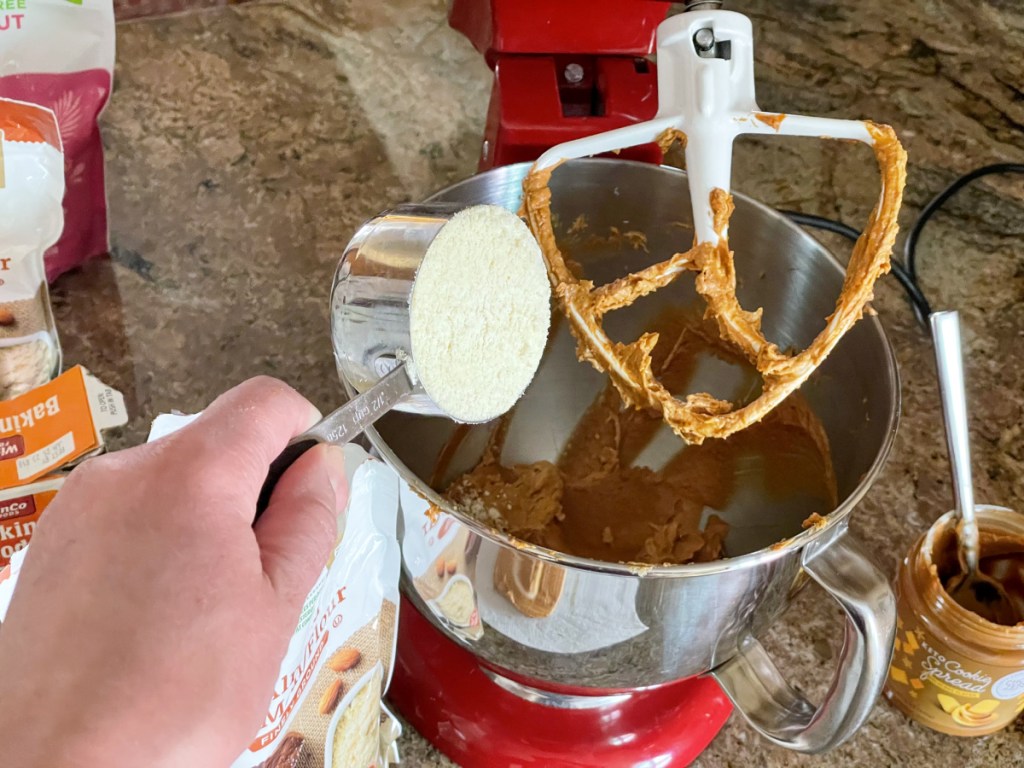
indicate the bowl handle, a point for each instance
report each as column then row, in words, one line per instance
column 777, row 710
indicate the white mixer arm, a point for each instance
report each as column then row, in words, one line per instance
column 803, row 125
column 609, row 141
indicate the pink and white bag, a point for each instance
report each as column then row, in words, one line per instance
column 60, row 54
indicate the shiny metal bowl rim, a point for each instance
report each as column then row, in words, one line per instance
column 752, row 559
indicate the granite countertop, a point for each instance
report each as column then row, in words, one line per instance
column 245, row 144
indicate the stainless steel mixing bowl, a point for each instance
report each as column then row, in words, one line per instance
column 617, row 628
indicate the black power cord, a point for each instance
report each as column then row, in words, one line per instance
column 905, row 271
column 909, row 283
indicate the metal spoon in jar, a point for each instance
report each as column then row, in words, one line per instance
column 971, row 588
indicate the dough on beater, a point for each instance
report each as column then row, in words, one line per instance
column 629, row 367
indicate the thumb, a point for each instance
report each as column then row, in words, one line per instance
column 300, row 525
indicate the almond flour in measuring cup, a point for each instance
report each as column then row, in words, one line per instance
column 31, row 219
column 479, row 313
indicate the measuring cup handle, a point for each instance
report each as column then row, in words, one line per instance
column 777, row 710
column 340, row 426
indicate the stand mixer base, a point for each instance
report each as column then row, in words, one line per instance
column 442, row 691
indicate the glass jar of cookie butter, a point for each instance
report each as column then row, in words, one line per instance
column 955, row 670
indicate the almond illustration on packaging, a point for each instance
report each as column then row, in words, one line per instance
column 331, row 696
column 344, row 659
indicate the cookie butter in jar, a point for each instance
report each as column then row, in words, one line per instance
column 954, row 670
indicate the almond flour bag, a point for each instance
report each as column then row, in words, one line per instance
column 31, row 189
column 326, row 711
column 60, row 54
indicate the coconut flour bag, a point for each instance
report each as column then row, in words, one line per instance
column 31, row 219
column 326, row 711
column 60, row 54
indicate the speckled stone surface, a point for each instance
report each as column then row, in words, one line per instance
column 245, row 145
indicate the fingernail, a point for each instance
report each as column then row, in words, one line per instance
column 315, row 417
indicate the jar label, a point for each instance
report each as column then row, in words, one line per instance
column 945, row 689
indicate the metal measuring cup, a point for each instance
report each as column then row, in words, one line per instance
column 370, row 329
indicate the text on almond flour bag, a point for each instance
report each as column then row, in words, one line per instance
column 326, row 710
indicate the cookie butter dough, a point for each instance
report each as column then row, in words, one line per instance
column 595, row 503
column 630, row 366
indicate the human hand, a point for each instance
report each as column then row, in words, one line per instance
column 151, row 616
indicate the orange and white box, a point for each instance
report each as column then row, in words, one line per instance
column 56, row 425
column 20, row 509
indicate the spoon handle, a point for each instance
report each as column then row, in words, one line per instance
column 949, row 364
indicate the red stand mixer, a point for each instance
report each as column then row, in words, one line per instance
column 564, row 70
